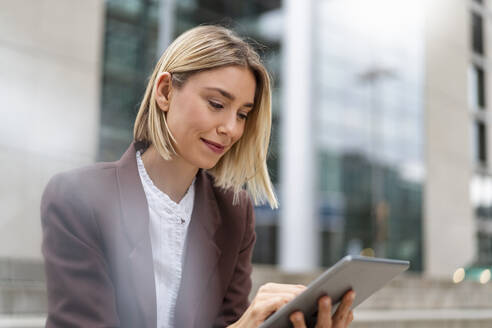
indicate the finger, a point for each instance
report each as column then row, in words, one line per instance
column 344, row 307
column 273, row 288
column 324, row 313
column 263, row 308
column 297, row 319
column 350, row 318
column 265, row 303
column 267, row 296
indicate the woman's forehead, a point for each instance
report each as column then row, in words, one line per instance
column 232, row 82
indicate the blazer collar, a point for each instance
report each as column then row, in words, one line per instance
column 201, row 252
column 135, row 212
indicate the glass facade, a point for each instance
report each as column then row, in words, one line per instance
column 129, row 55
column 367, row 102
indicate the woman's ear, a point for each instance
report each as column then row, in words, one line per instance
column 163, row 90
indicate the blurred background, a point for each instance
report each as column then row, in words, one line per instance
column 380, row 142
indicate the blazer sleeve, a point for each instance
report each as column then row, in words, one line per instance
column 236, row 297
column 80, row 291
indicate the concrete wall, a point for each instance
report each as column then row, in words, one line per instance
column 50, row 59
column 449, row 226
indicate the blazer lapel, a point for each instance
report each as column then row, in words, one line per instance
column 201, row 254
column 135, row 216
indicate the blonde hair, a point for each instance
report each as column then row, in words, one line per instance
column 204, row 48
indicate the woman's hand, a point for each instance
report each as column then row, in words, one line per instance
column 271, row 297
column 341, row 319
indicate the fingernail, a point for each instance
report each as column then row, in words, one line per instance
column 352, row 296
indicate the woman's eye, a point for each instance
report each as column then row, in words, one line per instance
column 215, row 104
column 242, row 116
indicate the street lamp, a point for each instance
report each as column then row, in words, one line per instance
column 380, row 208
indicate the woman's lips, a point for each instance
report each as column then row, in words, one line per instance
column 215, row 147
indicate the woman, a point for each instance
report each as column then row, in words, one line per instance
column 164, row 236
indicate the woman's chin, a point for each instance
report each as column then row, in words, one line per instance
column 208, row 165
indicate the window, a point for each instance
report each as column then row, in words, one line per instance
column 480, row 143
column 481, row 196
column 484, row 249
column 477, row 34
column 477, row 87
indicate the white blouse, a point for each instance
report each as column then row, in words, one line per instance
column 168, row 226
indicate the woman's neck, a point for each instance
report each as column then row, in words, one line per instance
column 173, row 177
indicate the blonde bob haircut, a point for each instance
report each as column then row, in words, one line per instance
column 204, row 48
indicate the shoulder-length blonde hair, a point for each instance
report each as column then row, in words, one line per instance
column 204, row 48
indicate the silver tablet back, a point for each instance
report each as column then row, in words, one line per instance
column 365, row 275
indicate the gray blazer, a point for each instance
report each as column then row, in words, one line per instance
column 98, row 259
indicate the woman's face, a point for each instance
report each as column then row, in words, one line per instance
column 207, row 115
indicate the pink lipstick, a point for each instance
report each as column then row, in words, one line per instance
column 215, row 147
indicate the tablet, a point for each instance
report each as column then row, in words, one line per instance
column 364, row 275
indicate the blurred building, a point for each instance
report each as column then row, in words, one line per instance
column 399, row 103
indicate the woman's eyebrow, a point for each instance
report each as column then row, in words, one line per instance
column 228, row 95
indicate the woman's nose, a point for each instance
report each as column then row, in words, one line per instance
column 229, row 125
